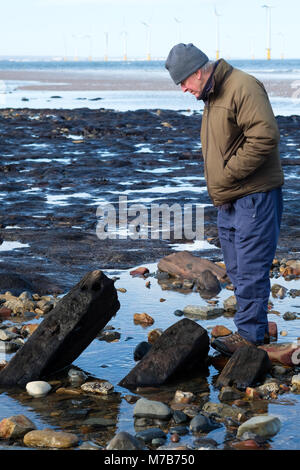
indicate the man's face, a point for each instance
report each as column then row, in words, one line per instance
column 193, row 84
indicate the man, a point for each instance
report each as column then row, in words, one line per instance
column 240, row 138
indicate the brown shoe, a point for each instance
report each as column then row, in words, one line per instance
column 227, row 345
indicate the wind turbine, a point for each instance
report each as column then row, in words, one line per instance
column 217, row 34
column 125, row 35
column 268, row 9
column 148, row 40
column 106, row 47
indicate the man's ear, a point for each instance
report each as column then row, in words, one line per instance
column 198, row 74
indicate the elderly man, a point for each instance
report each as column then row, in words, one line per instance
column 240, row 138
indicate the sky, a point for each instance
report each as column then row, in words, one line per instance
column 83, row 28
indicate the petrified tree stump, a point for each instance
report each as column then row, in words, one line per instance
column 65, row 332
column 188, row 266
column 180, row 347
column 247, row 366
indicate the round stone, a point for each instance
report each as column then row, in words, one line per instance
column 38, row 388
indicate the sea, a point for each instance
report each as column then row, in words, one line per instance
column 285, row 73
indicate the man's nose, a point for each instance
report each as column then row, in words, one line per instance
column 183, row 88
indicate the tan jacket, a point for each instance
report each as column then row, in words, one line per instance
column 239, row 136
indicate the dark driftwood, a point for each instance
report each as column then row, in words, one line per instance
column 65, row 332
column 181, row 347
column 246, row 367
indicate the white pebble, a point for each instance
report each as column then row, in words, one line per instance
column 38, row 388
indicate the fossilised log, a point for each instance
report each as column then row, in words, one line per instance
column 180, row 347
column 187, row 266
column 65, row 332
column 247, row 366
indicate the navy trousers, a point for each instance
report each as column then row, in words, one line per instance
column 248, row 233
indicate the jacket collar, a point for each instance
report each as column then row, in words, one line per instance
column 219, row 75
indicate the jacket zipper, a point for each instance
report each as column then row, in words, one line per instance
column 205, row 163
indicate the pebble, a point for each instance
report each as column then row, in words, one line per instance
column 290, row 316
column 38, row 388
column 50, row 439
column 183, row 397
column 296, row 382
column 140, row 350
column 202, row 312
column 101, row 388
column 230, row 303
column 153, row 335
column 224, row 410
column 143, row 318
column 178, row 313
column 15, row 427
column 151, row 409
column 229, row 394
column 76, row 376
column 147, row 435
column 201, row 423
column 125, row 441
column 263, row 425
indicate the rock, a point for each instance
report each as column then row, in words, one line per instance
column 178, row 313
column 5, row 312
column 143, row 318
column 181, row 347
column 65, row 331
column 264, row 425
column 267, row 389
column 204, row 443
column 183, row 397
column 187, row 266
column 202, row 312
column 252, row 393
column 220, row 330
column 247, row 366
column 201, row 423
column 147, row 435
column 151, row 409
column 76, row 377
column 38, row 388
column 50, row 439
column 224, row 410
column 230, row 303
column 101, row 388
column 287, row 354
column 179, row 417
column 15, row 427
column 29, row 328
column 208, row 284
column 109, row 336
column 278, row 291
column 229, row 394
column 8, row 347
column 290, row 316
column 296, row 382
column 6, row 335
column 153, row 335
column 248, row 444
column 141, row 350
column 139, row 271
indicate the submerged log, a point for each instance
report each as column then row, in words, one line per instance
column 181, row 347
column 247, row 366
column 65, row 332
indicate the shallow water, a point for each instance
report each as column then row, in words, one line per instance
column 113, row 360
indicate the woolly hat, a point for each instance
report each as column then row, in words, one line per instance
column 183, row 60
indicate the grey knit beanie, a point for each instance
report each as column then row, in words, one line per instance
column 183, row 60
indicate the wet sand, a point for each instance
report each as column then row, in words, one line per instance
column 103, row 81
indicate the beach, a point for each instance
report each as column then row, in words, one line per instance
column 74, row 143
